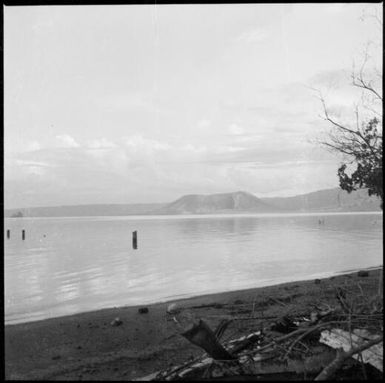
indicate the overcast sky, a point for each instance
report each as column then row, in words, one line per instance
column 129, row 104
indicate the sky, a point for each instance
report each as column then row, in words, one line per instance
column 146, row 103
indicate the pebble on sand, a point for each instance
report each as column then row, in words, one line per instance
column 173, row 308
column 116, row 322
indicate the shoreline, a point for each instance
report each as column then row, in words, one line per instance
column 210, row 215
column 185, row 297
column 87, row 345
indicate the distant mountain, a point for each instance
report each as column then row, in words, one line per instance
column 217, row 203
column 238, row 202
column 328, row 200
column 17, row 214
column 85, row 210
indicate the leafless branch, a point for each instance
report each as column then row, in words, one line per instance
column 373, row 15
column 358, row 79
column 338, row 143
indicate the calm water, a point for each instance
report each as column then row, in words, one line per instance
column 70, row 265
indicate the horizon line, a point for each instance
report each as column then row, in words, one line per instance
column 164, row 203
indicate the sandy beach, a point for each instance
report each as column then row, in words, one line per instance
column 87, row 346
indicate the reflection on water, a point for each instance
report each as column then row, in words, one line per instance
column 69, row 265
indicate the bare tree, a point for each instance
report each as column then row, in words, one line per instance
column 360, row 141
column 361, row 146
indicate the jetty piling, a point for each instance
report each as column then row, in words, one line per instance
column 134, row 240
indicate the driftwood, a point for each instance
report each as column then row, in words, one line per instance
column 334, row 366
column 262, row 355
column 201, row 335
column 245, row 342
column 220, row 330
column 337, row 338
column 250, row 357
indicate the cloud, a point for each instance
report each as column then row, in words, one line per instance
column 222, row 155
column 204, row 123
column 255, row 35
column 138, row 143
column 143, row 170
column 32, row 146
column 32, row 163
column 100, row 143
column 342, row 97
column 24, row 168
column 190, row 148
column 126, row 100
column 331, row 79
column 66, row 141
column 236, row 130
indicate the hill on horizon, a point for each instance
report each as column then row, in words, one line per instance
column 336, row 200
column 328, row 200
column 239, row 201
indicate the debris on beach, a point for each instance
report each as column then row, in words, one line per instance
column 201, row 335
column 183, row 319
column 143, row 310
column 284, row 325
column 173, row 308
column 116, row 322
column 294, row 346
column 337, row 339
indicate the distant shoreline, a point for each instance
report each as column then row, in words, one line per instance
column 328, row 200
column 216, row 214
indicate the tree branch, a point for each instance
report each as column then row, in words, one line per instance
column 360, row 83
column 336, row 364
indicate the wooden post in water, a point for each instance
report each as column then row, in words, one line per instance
column 134, row 240
column 8, row 234
column 23, row 234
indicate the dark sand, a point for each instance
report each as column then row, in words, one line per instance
column 86, row 346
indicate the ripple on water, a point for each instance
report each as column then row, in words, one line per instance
column 92, row 265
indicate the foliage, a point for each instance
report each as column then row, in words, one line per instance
column 360, row 141
column 366, row 150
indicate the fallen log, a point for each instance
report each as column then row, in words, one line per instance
column 201, row 335
column 246, row 342
column 220, row 330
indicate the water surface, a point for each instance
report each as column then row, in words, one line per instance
column 70, row 265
